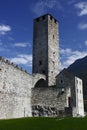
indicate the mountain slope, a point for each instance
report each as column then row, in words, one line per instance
column 79, row 66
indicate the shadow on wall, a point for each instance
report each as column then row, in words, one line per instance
column 41, row 83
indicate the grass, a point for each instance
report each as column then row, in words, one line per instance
column 42, row 123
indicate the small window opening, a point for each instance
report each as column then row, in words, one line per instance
column 69, row 101
column 51, row 71
column 53, row 62
column 43, row 17
column 50, row 17
column 53, row 37
column 62, row 89
column 53, row 52
column 61, row 81
column 0, row 69
column 55, row 21
column 40, row 62
column 43, row 71
column 37, row 19
column 77, row 81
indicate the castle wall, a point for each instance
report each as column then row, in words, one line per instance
column 45, row 101
column 15, row 91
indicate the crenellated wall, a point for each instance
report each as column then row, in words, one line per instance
column 15, row 91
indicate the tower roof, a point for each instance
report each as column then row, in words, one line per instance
column 44, row 16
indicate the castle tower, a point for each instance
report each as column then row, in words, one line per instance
column 46, row 47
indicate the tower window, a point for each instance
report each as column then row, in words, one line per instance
column 37, row 19
column 61, row 81
column 50, row 17
column 40, row 62
column 53, row 37
column 55, row 21
column 43, row 71
column 53, row 52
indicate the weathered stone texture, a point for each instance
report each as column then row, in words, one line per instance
column 53, row 50
column 47, row 98
column 15, row 91
column 66, row 80
column 46, row 48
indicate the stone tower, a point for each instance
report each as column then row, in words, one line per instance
column 46, row 47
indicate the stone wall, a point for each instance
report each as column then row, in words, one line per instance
column 15, row 91
column 53, row 50
column 66, row 80
column 47, row 102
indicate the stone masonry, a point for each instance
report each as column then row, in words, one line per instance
column 15, row 90
column 46, row 48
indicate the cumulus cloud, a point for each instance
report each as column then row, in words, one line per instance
column 4, row 29
column 82, row 26
column 22, row 44
column 22, row 59
column 68, row 56
column 82, row 6
column 42, row 6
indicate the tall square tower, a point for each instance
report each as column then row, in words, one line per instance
column 46, row 47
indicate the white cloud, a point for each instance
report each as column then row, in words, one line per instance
column 82, row 6
column 82, row 26
column 4, row 29
column 86, row 43
column 68, row 56
column 42, row 6
column 22, row 59
column 66, row 51
column 22, row 44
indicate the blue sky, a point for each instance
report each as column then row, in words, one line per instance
column 16, row 29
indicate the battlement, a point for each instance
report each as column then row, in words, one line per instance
column 12, row 64
column 45, row 17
